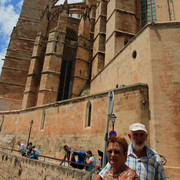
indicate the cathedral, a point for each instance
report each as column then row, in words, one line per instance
column 62, row 60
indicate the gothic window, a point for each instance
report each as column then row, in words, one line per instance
column 65, row 77
column 42, row 120
column 146, row 7
column 70, row 35
column 67, row 67
column 88, row 114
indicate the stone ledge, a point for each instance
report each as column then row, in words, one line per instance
column 17, row 167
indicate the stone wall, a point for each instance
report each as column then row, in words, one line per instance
column 151, row 58
column 167, row 10
column 65, row 122
column 17, row 60
column 13, row 166
column 22, row 168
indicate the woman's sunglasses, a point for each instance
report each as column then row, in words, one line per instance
column 115, row 152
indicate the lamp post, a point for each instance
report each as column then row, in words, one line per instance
column 113, row 119
column 31, row 123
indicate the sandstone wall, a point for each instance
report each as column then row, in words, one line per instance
column 17, row 60
column 13, row 166
column 21, row 168
column 65, row 122
column 167, row 10
column 152, row 57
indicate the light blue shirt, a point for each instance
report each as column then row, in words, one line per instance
column 93, row 163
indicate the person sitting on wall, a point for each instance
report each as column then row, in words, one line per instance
column 69, row 154
column 34, row 153
column 90, row 161
column 81, row 159
column 21, row 148
column 30, row 147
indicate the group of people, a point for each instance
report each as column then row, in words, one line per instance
column 133, row 162
column 30, row 152
column 85, row 160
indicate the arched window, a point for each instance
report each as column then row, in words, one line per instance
column 67, row 67
column 88, row 114
column 43, row 116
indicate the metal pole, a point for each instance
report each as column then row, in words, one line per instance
column 31, row 123
column 113, row 126
column 109, row 112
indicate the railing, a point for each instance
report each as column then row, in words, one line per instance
column 57, row 159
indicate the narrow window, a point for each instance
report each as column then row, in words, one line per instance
column 42, row 120
column 1, row 123
column 88, row 114
column 148, row 12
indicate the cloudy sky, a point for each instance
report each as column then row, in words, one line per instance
column 9, row 11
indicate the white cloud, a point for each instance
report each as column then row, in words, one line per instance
column 20, row 4
column 7, row 21
column 2, row 2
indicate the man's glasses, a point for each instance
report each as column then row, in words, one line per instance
column 115, row 152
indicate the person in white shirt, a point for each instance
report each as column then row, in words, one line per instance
column 21, row 149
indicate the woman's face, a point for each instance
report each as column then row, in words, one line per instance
column 115, row 153
column 88, row 155
column 30, row 147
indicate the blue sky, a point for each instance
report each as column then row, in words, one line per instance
column 9, row 12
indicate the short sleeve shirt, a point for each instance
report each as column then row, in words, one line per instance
column 22, row 147
column 68, row 155
column 93, row 163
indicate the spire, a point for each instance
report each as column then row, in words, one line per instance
column 65, row 2
column 65, row 5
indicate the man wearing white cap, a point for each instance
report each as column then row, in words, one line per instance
column 145, row 161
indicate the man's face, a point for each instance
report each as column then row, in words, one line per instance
column 138, row 139
column 29, row 147
column 115, row 154
column 67, row 149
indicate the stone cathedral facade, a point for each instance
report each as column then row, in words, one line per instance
column 63, row 59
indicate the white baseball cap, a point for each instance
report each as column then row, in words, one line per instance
column 137, row 127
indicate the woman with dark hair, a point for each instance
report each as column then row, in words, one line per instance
column 90, row 161
column 117, row 153
column 28, row 152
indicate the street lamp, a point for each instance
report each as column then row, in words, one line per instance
column 113, row 119
column 31, row 123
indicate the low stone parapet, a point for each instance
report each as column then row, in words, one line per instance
column 17, row 167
